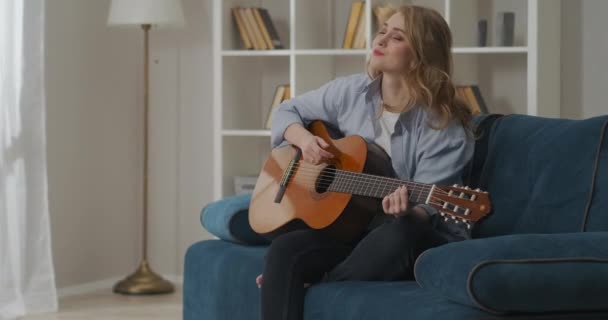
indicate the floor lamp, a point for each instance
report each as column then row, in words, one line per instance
column 144, row 14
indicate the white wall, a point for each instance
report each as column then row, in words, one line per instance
column 584, row 49
column 94, row 125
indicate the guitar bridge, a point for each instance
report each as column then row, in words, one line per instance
column 287, row 176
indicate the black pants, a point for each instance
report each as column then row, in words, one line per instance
column 387, row 253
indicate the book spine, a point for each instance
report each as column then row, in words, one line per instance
column 482, row 104
column 262, row 27
column 473, row 105
column 258, row 42
column 240, row 24
column 351, row 26
column 359, row 42
column 272, row 31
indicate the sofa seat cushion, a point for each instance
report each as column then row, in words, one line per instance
column 521, row 273
column 361, row 300
column 219, row 281
column 219, row 284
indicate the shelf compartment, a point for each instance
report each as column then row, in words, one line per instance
column 253, row 80
column 242, row 156
column 464, row 18
column 321, row 24
column 502, row 80
column 277, row 9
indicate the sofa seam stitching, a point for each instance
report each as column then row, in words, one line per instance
column 593, row 176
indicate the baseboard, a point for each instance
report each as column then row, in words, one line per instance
column 87, row 287
column 106, row 284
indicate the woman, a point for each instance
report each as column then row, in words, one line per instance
column 406, row 104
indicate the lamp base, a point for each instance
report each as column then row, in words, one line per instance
column 143, row 282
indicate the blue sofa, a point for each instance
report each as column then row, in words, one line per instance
column 541, row 254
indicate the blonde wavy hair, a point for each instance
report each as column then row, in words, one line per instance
column 430, row 78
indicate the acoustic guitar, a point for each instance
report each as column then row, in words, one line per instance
column 343, row 195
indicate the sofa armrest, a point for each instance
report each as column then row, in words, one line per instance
column 228, row 220
column 521, row 273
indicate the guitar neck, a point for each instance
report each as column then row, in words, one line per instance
column 377, row 186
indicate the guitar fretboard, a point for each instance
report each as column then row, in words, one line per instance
column 377, row 186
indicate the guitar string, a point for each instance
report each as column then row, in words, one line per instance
column 395, row 183
column 358, row 184
column 416, row 185
column 309, row 183
column 455, row 216
column 347, row 177
column 391, row 188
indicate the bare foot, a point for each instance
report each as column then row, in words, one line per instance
column 259, row 279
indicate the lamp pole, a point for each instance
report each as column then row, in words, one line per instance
column 144, row 280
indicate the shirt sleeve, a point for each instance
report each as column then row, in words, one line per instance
column 441, row 156
column 319, row 104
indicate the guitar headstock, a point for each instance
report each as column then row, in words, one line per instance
column 461, row 204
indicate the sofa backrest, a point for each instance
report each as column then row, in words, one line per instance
column 543, row 175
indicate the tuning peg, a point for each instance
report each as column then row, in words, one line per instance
column 477, row 189
column 445, row 219
column 454, row 185
column 468, row 226
column 442, row 214
column 456, row 221
column 466, row 212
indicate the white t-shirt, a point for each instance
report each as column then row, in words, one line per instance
column 385, row 129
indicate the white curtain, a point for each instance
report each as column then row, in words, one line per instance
column 27, row 282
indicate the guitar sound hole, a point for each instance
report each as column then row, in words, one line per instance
column 325, row 179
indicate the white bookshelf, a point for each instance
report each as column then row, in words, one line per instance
column 312, row 32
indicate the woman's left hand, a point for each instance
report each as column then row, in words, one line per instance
column 396, row 203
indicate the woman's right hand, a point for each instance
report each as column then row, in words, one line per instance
column 313, row 150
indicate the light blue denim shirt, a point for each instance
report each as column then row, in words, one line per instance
column 419, row 152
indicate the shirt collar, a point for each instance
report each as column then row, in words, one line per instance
column 371, row 86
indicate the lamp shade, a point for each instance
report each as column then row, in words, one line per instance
column 163, row 13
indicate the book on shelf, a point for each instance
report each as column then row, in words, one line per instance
column 381, row 14
column 472, row 96
column 272, row 31
column 359, row 40
column 240, row 24
column 262, row 27
column 281, row 93
column 357, row 15
column 256, row 29
column 258, row 40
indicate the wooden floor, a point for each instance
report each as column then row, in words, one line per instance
column 110, row 306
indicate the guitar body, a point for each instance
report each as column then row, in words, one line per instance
column 306, row 203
